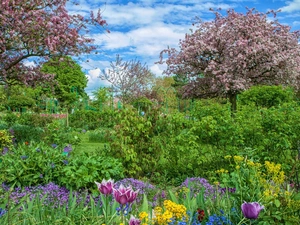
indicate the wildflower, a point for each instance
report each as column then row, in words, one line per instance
column 54, row 145
column 251, row 210
column 134, row 221
column 124, row 195
column 5, row 150
column 105, row 187
column 2, row 212
column 26, row 143
column 201, row 214
column 24, row 157
column 68, row 148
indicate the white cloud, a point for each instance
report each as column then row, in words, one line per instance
column 291, row 6
column 94, row 82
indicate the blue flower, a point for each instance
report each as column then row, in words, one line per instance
column 2, row 212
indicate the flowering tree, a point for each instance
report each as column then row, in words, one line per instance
column 39, row 29
column 228, row 55
column 129, row 79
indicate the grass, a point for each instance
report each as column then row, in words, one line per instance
column 87, row 146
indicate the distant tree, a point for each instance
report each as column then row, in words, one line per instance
column 102, row 96
column 130, row 79
column 71, row 81
column 38, row 29
column 228, row 55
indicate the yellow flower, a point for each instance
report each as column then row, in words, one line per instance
column 238, row 158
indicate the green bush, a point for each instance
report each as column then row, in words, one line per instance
column 25, row 133
column 35, row 120
column 34, row 164
column 83, row 170
column 266, row 96
column 29, row 165
column 10, row 118
column 91, row 120
column 19, row 101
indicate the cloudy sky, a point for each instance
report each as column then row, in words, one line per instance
column 141, row 29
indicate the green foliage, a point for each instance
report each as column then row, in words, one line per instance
column 99, row 135
column 83, row 170
column 25, row 133
column 57, row 133
column 10, row 118
column 71, row 81
column 34, row 119
column 17, row 102
column 266, row 96
column 90, row 120
column 5, row 139
column 33, row 164
column 132, row 142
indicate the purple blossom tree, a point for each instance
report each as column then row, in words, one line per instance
column 39, row 29
column 230, row 54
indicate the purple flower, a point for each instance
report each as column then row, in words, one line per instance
column 134, row 221
column 54, row 145
column 124, row 195
column 68, row 148
column 251, row 210
column 106, row 186
column 5, row 150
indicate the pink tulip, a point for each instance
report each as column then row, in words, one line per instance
column 124, row 195
column 105, row 187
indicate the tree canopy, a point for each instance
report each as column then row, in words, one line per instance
column 71, row 81
column 228, row 55
column 38, row 29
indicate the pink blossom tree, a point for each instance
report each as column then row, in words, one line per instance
column 228, row 55
column 38, row 30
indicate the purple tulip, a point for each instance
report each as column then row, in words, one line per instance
column 106, row 186
column 251, row 210
column 124, row 195
column 134, row 221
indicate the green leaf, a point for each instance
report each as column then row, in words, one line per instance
column 277, row 203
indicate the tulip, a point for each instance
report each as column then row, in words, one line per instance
column 124, row 195
column 134, row 221
column 106, row 186
column 251, row 210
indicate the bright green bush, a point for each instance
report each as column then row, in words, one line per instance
column 266, row 96
column 35, row 164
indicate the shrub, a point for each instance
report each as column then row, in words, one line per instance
column 266, row 96
column 25, row 133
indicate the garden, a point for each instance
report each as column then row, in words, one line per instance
column 215, row 142
column 201, row 166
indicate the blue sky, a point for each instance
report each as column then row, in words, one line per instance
column 142, row 29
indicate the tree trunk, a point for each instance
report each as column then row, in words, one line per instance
column 232, row 100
